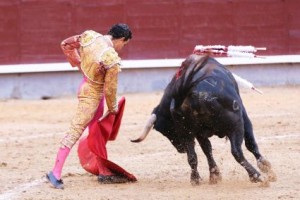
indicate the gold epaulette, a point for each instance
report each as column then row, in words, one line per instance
column 88, row 37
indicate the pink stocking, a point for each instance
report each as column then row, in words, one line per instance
column 62, row 154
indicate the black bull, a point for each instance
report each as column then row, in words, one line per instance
column 203, row 100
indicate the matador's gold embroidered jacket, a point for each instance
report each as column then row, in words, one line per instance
column 97, row 60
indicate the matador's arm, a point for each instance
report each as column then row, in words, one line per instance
column 70, row 47
column 110, row 88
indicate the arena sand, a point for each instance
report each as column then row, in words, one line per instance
column 31, row 130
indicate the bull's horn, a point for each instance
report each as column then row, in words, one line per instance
column 147, row 129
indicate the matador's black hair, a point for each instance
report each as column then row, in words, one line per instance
column 120, row 30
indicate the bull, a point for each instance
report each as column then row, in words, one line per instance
column 203, row 100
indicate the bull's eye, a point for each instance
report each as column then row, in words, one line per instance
column 235, row 105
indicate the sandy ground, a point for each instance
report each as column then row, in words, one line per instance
column 31, row 130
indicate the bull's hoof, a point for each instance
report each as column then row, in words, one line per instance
column 195, row 178
column 265, row 183
column 195, row 182
column 265, row 166
column 263, row 180
column 215, row 175
column 255, row 178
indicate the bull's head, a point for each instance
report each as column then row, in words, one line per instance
column 166, row 117
column 165, row 125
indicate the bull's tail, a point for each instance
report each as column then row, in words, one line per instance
column 249, row 136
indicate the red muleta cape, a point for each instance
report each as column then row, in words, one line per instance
column 92, row 151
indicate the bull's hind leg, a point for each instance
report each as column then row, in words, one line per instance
column 263, row 164
column 214, row 172
column 193, row 162
column 236, row 140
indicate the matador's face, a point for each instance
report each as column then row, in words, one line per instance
column 119, row 43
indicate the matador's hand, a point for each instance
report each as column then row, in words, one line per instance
column 114, row 112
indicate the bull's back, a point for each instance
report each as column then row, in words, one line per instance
column 214, row 102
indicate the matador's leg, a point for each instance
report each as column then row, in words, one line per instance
column 89, row 99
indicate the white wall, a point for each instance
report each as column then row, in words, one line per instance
column 53, row 80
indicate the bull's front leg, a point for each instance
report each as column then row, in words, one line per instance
column 193, row 162
column 214, row 172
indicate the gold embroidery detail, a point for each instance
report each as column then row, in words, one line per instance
column 95, row 56
column 110, row 57
column 88, row 37
column 89, row 97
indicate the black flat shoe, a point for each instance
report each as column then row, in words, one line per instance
column 58, row 184
column 112, row 179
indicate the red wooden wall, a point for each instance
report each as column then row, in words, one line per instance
column 31, row 30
